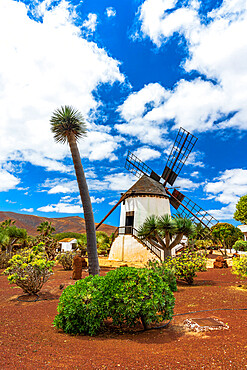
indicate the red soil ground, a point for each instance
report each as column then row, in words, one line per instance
column 28, row 339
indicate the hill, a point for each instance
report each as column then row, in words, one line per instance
column 74, row 223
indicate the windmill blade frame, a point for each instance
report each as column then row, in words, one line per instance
column 139, row 168
column 190, row 209
column 182, row 147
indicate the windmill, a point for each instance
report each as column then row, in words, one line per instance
column 185, row 207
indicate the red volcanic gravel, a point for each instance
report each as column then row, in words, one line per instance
column 28, row 339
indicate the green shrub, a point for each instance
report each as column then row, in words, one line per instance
column 4, row 260
column 126, row 295
column 240, row 245
column 66, row 260
column 29, row 269
column 132, row 294
column 166, row 273
column 186, row 265
column 81, row 308
column 239, row 266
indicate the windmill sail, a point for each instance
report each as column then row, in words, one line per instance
column 139, row 168
column 181, row 149
column 187, row 208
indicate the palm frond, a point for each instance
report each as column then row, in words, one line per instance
column 66, row 121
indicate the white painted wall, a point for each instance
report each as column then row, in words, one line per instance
column 67, row 246
column 126, row 248
column 243, row 228
column 143, row 208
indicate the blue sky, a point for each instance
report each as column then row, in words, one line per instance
column 137, row 70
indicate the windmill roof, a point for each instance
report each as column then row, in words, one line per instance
column 147, row 186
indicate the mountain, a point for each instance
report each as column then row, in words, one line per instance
column 74, row 224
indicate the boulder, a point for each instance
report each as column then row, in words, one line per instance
column 77, row 267
column 220, row 263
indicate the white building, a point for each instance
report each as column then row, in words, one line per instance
column 243, row 228
column 67, row 244
column 145, row 198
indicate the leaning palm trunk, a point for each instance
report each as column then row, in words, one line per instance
column 93, row 262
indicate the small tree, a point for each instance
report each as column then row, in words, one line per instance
column 241, row 210
column 9, row 235
column 226, row 234
column 45, row 228
column 165, row 232
column 29, row 269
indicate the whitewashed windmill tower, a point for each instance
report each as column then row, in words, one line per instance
column 151, row 196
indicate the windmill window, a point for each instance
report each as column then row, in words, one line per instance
column 129, row 222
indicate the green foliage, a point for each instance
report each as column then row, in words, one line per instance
column 67, row 234
column 165, row 231
column 81, row 308
column 29, row 269
column 239, row 266
column 45, row 228
column 50, row 245
column 132, row 294
column 10, row 234
column 67, row 120
column 4, row 260
column 241, row 210
column 186, row 265
column 226, row 234
column 66, row 260
column 103, row 243
column 126, row 295
column 240, row 245
column 166, row 273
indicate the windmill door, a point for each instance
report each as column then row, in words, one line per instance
column 129, row 222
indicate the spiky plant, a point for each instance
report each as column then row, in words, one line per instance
column 68, row 126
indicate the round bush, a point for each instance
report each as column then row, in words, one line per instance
column 166, row 273
column 29, row 269
column 66, row 260
column 126, row 295
column 186, row 265
column 240, row 245
column 239, row 266
column 81, row 307
column 132, row 294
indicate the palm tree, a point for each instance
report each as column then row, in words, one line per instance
column 165, row 232
column 67, row 125
column 45, row 228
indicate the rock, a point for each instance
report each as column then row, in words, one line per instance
column 84, row 263
column 220, row 263
column 77, row 267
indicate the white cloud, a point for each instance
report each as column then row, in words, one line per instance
column 195, row 174
column 138, row 111
column 145, row 153
column 216, row 49
column 159, row 22
column 27, row 209
column 113, row 202
column 7, row 180
column 61, row 208
column 186, row 184
column 115, row 182
column 227, row 189
column 37, row 76
column 97, row 200
column 91, row 22
column 111, row 12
